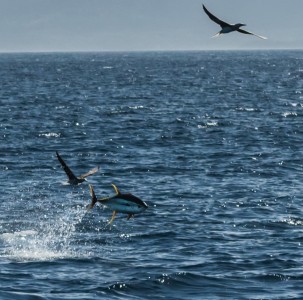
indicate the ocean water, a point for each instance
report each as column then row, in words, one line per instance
column 211, row 141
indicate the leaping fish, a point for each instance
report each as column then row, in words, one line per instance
column 226, row 27
column 123, row 203
column 72, row 179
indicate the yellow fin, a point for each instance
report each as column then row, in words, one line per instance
column 113, row 217
column 116, row 189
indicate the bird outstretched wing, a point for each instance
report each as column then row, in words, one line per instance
column 69, row 173
column 214, row 18
column 248, row 32
column 91, row 172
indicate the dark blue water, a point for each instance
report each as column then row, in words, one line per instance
column 211, row 141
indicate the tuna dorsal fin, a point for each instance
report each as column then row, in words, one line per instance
column 116, row 189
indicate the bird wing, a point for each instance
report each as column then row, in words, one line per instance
column 247, row 32
column 91, row 172
column 214, row 18
column 66, row 169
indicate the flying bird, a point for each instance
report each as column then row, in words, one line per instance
column 72, row 179
column 123, row 203
column 226, row 27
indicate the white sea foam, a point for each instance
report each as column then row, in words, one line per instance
column 52, row 240
column 50, row 134
column 288, row 114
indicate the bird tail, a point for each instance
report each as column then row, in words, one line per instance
column 216, row 35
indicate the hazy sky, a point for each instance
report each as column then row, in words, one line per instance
column 105, row 25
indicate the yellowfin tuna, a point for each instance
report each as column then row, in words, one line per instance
column 123, row 203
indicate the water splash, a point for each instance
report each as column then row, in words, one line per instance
column 51, row 239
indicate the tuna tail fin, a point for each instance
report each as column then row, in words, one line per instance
column 94, row 198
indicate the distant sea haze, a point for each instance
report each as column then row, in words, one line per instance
column 211, row 141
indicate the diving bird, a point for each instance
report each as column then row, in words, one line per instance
column 72, row 179
column 226, row 27
column 123, row 203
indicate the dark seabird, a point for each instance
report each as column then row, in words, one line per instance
column 123, row 203
column 72, row 179
column 226, row 27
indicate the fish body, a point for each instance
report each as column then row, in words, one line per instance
column 122, row 203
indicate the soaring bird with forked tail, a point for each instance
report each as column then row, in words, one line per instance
column 226, row 27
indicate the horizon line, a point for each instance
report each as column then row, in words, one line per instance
column 140, row 51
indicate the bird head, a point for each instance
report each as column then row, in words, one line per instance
column 240, row 25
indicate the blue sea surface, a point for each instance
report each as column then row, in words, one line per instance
column 211, row 141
